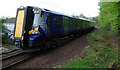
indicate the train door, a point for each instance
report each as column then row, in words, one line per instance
column 43, row 22
column 23, row 24
column 19, row 24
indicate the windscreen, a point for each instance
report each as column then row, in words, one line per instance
column 36, row 18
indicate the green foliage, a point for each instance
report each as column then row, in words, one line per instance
column 96, row 21
column 100, row 53
column 3, row 19
column 102, row 50
column 0, row 27
column 79, row 63
column 81, row 15
column 109, row 15
column 10, row 47
column 92, row 61
column 95, row 37
column 4, row 30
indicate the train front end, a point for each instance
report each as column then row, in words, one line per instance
column 27, row 29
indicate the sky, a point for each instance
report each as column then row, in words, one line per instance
column 89, row 8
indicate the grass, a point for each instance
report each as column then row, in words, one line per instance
column 101, row 53
column 10, row 47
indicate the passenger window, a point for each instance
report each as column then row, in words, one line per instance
column 59, row 21
column 65, row 20
column 71, row 22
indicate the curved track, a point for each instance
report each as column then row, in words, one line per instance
column 63, row 54
column 9, row 61
column 14, row 59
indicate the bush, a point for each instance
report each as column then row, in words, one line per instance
column 4, row 30
column 103, row 44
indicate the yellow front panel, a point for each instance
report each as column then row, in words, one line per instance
column 19, row 23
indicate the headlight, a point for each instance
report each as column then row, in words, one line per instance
column 34, row 32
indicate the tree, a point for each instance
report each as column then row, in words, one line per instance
column 109, row 15
column 4, row 29
column 80, row 16
column 3, row 19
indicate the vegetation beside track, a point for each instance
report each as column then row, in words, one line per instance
column 102, row 51
column 3, row 30
column 4, row 34
column 12, row 47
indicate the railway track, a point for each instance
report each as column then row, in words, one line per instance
column 14, row 59
column 58, row 56
column 11, row 60
column 9, row 54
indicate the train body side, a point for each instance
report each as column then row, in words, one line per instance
column 55, row 26
column 60, row 25
column 50, row 26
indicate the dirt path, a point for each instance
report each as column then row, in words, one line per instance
column 57, row 57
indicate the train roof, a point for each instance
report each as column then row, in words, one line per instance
column 68, row 15
column 56, row 12
column 64, row 14
column 53, row 12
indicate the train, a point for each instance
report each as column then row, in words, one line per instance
column 36, row 27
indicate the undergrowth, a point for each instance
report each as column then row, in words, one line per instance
column 12, row 47
column 101, row 52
